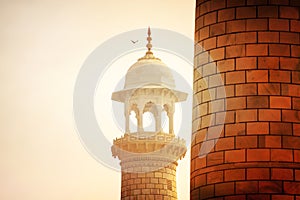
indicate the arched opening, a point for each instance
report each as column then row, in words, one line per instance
column 149, row 117
column 148, row 122
column 132, row 119
column 133, row 127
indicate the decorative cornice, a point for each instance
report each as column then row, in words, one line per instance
column 149, row 144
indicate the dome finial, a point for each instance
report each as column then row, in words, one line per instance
column 149, row 54
column 149, row 38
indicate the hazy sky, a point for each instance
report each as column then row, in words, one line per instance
column 42, row 47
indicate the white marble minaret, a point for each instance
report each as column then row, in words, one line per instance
column 149, row 158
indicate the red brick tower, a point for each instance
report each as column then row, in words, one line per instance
column 253, row 46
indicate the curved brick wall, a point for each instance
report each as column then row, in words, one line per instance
column 159, row 184
column 254, row 44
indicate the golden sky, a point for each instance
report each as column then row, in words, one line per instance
column 43, row 45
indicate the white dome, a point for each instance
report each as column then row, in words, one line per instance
column 149, row 72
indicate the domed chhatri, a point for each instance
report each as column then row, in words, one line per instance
column 148, row 72
column 149, row 87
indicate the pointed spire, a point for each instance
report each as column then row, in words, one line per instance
column 149, row 54
column 149, row 38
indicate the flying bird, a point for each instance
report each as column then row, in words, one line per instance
column 134, row 41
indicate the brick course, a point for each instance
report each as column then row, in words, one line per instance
column 253, row 46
